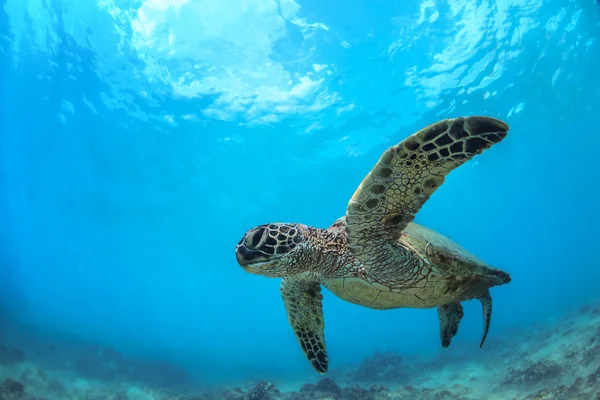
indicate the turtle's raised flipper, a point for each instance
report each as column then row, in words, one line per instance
column 486, row 304
column 403, row 180
column 302, row 299
column 450, row 316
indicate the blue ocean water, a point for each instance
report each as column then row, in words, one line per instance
column 141, row 139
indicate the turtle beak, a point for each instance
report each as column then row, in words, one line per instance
column 254, row 262
column 248, row 258
column 243, row 255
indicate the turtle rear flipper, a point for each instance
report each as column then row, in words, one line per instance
column 302, row 300
column 450, row 316
column 486, row 304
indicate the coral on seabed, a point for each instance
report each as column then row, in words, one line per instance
column 108, row 364
column 263, row 391
column 327, row 389
column 554, row 362
column 12, row 390
column 582, row 389
column 381, row 367
column 533, row 373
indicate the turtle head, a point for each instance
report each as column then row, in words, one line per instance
column 271, row 249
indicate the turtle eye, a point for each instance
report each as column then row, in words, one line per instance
column 255, row 238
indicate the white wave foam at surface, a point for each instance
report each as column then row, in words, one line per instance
column 227, row 50
column 474, row 41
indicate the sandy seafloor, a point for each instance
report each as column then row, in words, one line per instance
column 559, row 359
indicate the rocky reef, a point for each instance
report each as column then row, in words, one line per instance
column 327, row 389
column 105, row 363
column 559, row 361
column 381, row 367
column 12, row 390
column 587, row 388
column 531, row 373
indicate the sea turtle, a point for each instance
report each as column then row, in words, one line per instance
column 375, row 256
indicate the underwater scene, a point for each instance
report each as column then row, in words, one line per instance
column 299, row 200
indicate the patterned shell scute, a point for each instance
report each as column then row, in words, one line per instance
column 439, row 250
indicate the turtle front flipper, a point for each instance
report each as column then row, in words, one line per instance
column 403, row 180
column 303, row 302
column 450, row 316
